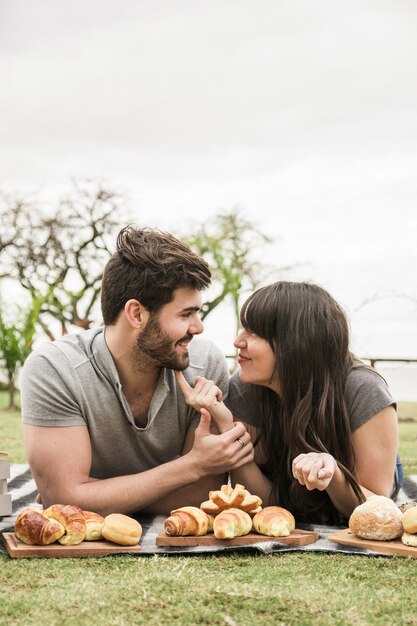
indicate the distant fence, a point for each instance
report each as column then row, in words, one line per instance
column 373, row 360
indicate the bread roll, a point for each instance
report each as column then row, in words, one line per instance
column 121, row 529
column 379, row 518
column 232, row 523
column 409, row 540
column 72, row 519
column 410, row 520
column 94, row 523
column 34, row 528
column 274, row 521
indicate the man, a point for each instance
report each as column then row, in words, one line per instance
column 106, row 425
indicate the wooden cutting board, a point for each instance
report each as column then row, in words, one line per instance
column 296, row 538
column 395, row 546
column 17, row 549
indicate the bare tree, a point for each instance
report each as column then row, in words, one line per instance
column 232, row 246
column 60, row 258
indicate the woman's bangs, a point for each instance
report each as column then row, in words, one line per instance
column 254, row 315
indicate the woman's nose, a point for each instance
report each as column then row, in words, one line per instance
column 240, row 341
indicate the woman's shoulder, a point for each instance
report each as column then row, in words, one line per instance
column 366, row 394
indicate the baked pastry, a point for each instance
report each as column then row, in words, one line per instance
column 186, row 521
column 72, row 519
column 121, row 529
column 409, row 539
column 231, row 497
column 410, row 520
column 93, row 525
column 406, row 505
column 34, row 528
column 274, row 521
column 232, row 523
column 379, row 518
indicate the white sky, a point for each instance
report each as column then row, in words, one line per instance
column 303, row 113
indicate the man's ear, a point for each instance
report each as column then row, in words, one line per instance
column 136, row 314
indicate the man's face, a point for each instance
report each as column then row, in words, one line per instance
column 164, row 342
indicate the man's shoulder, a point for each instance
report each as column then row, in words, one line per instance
column 75, row 347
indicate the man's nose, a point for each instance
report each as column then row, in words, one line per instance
column 196, row 327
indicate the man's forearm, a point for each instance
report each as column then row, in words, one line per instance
column 130, row 493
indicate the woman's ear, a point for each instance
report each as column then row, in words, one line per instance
column 136, row 314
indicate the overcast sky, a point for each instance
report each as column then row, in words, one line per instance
column 302, row 113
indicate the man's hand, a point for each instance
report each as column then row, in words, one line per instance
column 206, row 395
column 216, row 454
column 314, row 470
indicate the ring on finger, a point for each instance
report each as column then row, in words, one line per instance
column 241, row 442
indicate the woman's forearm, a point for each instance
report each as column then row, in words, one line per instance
column 254, row 481
column 342, row 495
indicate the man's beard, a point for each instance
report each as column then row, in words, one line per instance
column 154, row 348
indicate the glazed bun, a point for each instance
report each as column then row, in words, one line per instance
column 410, row 520
column 379, row 518
column 409, row 540
column 121, row 529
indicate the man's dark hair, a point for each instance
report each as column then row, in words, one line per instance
column 149, row 265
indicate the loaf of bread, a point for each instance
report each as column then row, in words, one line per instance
column 72, row 519
column 232, row 523
column 379, row 518
column 34, row 528
column 188, row 521
column 274, row 521
column 121, row 529
column 231, row 498
column 93, row 525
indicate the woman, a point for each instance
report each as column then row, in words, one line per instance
column 324, row 424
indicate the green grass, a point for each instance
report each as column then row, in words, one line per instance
column 293, row 588
column 290, row 588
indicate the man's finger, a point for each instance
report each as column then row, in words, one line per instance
column 182, row 383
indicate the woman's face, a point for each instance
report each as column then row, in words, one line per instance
column 256, row 359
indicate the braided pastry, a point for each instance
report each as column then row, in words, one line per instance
column 34, row 528
column 231, row 497
column 72, row 519
column 274, row 521
column 188, row 521
column 232, row 523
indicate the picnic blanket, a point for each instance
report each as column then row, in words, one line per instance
column 23, row 490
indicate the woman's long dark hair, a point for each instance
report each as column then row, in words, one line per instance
column 309, row 335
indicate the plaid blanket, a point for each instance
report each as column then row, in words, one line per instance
column 23, row 489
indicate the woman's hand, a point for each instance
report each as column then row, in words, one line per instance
column 314, row 470
column 206, row 395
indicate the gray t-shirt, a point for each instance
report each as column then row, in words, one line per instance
column 74, row 382
column 366, row 394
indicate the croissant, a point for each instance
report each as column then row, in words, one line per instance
column 72, row 519
column 94, row 523
column 232, row 523
column 231, row 497
column 188, row 520
column 33, row 528
column 274, row 521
